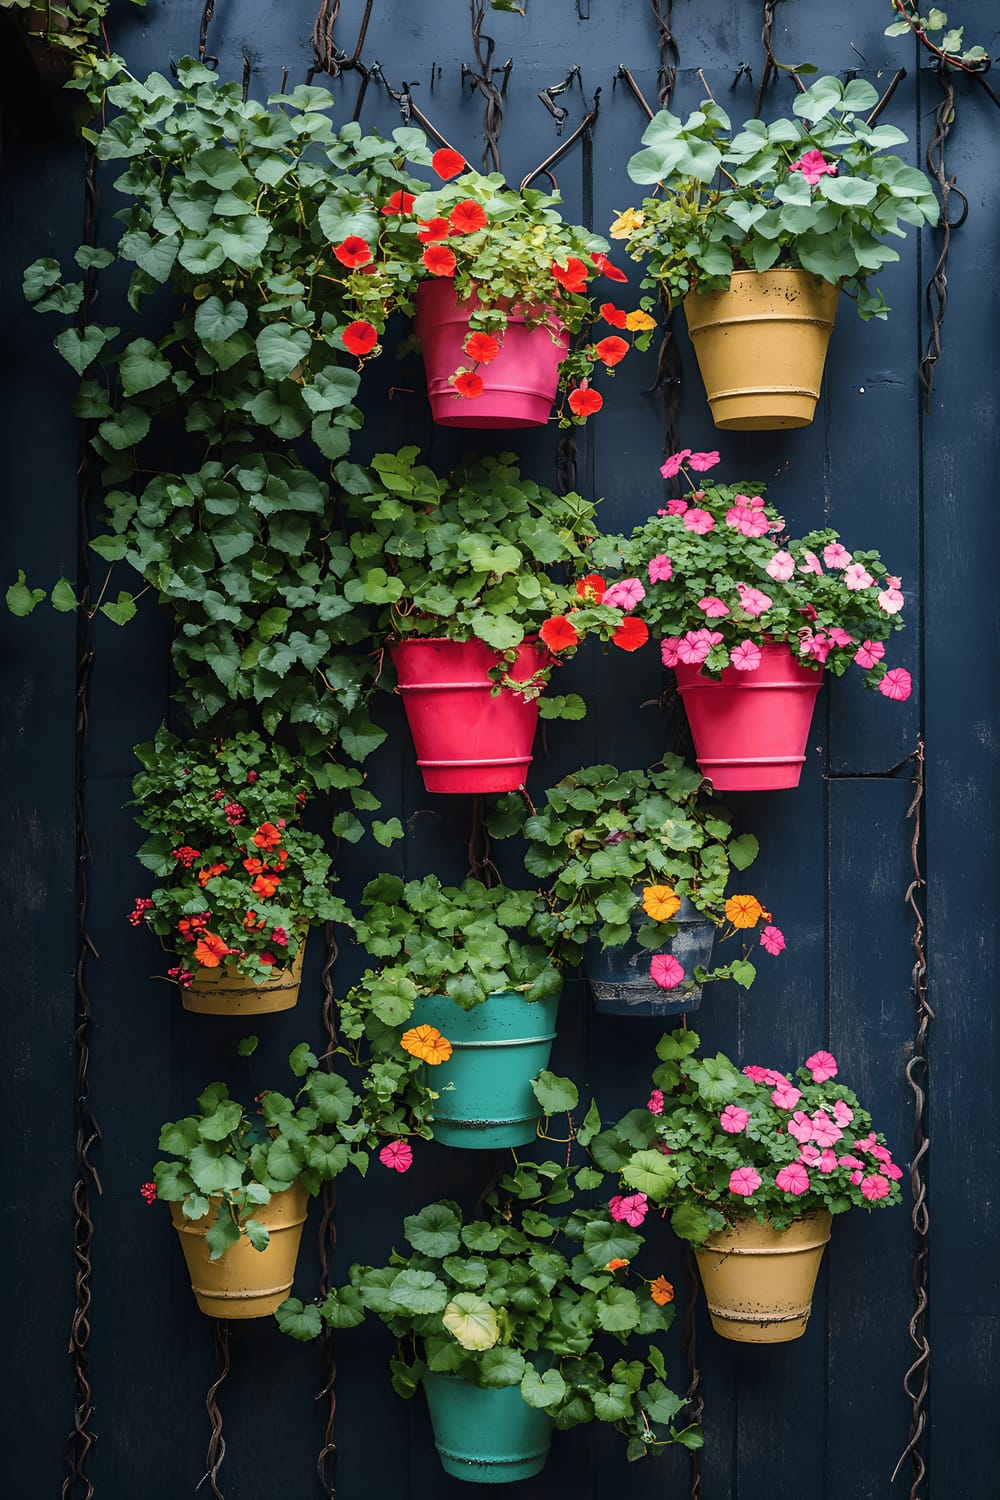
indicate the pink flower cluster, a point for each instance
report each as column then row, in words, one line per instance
column 630, row 1209
column 691, row 648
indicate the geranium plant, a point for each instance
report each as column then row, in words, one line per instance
column 714, row 577
column 233, row 1157
column 718, row 1145
column 469, row 556
column 241, row 879
column 619, row 850
column 506, row 1301
column 816, row 192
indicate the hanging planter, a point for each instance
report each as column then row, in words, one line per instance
column 244, row 1282
column 620, row 979
column 468, row 736
column 759, row 1282
column 750, row 728
column 498, row 1047
column 519, row 385
column 226, row 992
column 761, row 347
column 486, row 1436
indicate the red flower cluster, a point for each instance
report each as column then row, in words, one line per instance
column 185, row 855
column 148, row 1191
column 142, row 905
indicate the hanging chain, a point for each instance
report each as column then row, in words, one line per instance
column 327, row 1460
column 87, row 1132
column 216, row 1443
column 916, row 1381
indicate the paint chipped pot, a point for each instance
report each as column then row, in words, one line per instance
column 225, row 992
column 759, row 1282
column 486, row 1436
column 620, row 980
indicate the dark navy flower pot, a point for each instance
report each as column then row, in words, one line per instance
column 619, row 977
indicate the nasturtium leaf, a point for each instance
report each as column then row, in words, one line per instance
column 434, row 1230
column 603, row 1241
column 555, row 1094
column 280, row 348
column 299, row 1320
column 418, row 1292
column 80, row 347
column 215, row 321
column 501, row 1366
column 660, row 1402
column 612, row 1403
column 618, row 1309
column 650, row 1172
column 472, row 1321
column 542, row 1390
column 142, row 367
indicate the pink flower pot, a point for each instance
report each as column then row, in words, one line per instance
column 519, row 386
column 467, row 739
column 750, row 728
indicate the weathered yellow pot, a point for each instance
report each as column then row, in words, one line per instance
column 759, row 1283
column 224, row 992
column 761, row 347
column 244, row 1282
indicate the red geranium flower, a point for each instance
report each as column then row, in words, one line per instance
column 606, row 267
column 400, row 203
column 591, row 588
column 468, row 384
column 467, row 217
column 614, row 315
column 439, row 260
column 447, row 163
column 482, row 347
column 583, row 402
column 631, row 634
column 359, row 338
column 353, row 252
column 433, row 229
column 572, row 276
column 559, row 633
column 612, row 350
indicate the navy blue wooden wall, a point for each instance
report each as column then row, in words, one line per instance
column 821, row 1418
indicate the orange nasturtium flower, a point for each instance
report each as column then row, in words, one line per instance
column 744, row 911
column 209, row 873
column 210, row 950
column 267, row 836
column 661, row 1291
column 660, row 902
column 427, row 1043
column 265, row 885
column 616, row 1264
column 639, row 322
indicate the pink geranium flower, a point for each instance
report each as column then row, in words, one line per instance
column 836, row 556
column 661, row 569
column 891, row 1170
column 699, row 521
column 673, row 464
column 838, row 636
column 744, row 1181
column 869, row 654
column 733, row 1119
column 890, row 600
column 746, row 657
column 756, row 1074
column 827, row 1161
column 747, row 522
column 670, row 650
column 630, row 1210
column 786, row 1095
column 857, row 577
column 825, row 1132
column 793, row 1179
column 665, row 971
column 817, row 646
column 896, row 684
column 875, row 1187
column 813, row 165
column 811, row 564
column 676, row 507
column 810, row 1155
column 626, row 594
column 881, row 1153
column 772, row 940
column 655, row 1102
column 822, row 1065
column 752, row 601
column 781, row 566
column 842, row 1113
column 857, row 1175
column 800, row 1126
column 398, row 1156
column 714, row 608
column 867, row 1144
column 849, row 1161
column 696, row 644
column 703, row 461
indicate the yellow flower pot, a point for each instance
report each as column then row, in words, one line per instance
column 244, row 1282
column 761, row 347
column 224, row 992
column 759, row 1282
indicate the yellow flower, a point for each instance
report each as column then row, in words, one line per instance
column 661, row 1291
column 427, row 1043
column 660, row 902
column 744, row 911
column 626, row 224
column 639, row 322
column 616, row 1264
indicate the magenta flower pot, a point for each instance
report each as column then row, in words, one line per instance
column 750, row 728
column 467, row 739
column 519, row 386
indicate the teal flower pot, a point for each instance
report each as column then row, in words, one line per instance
column 486, row 1436
column 485, row 1086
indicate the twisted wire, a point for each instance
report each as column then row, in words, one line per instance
column 936, row 292
column 327, row 1238
column 204, row 55
column 693, row 1396
column 669, row 53
column 916, row 1381
column 216, row 1443
column 327, row 56
column 482, row 82
column 76, row 1485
